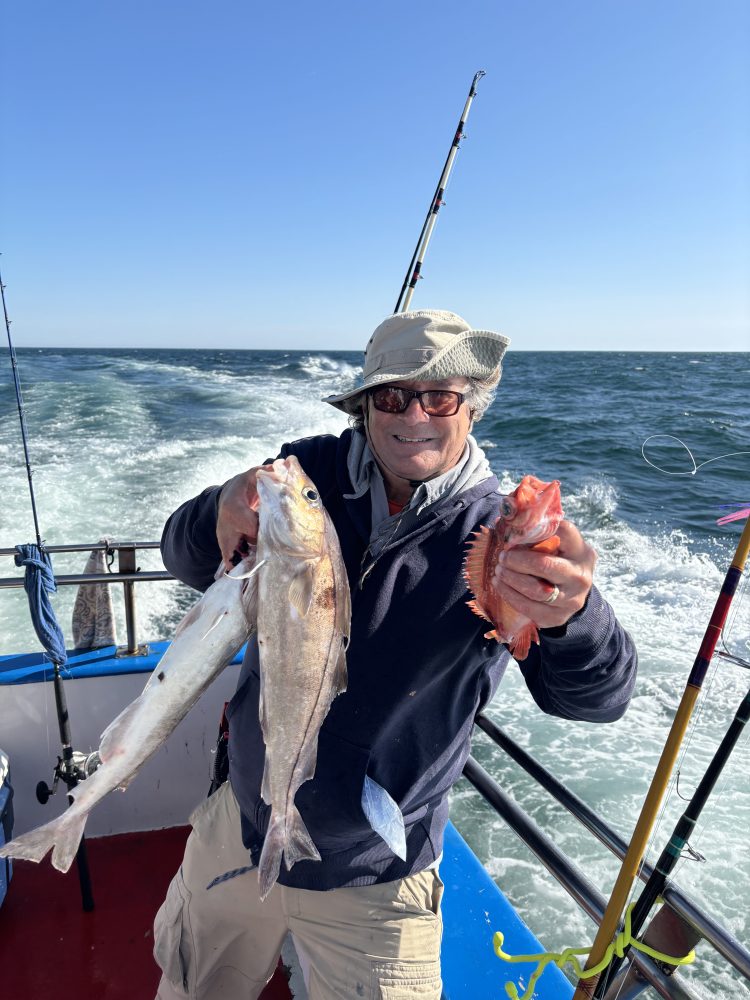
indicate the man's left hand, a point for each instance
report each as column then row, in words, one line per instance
column 529, row 579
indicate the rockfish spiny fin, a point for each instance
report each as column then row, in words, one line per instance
column 474, row 569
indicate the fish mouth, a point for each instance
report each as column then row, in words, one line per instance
column 280, row 491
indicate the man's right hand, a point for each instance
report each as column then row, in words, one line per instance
column 237, row 522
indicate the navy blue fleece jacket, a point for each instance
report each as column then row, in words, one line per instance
column 419, row 669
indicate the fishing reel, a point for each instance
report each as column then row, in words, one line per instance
column 71, row 770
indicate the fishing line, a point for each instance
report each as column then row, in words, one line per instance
column 696, row 465
column 29, row 471
column 709, row 814
column 732, row 620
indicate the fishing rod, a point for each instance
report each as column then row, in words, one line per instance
column 680, row 835
column 21, row 414
column 39, row 582
column 415, row 264
column 587, row 988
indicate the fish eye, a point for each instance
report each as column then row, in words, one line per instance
column 507, row 507
column 310, row 494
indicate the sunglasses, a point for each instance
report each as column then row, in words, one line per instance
column 436, row 402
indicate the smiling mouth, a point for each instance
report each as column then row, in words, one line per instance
column 406, row 440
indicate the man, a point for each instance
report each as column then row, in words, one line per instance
column 405, row 486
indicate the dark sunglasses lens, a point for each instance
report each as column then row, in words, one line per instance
column 390, row 399
column 441, row 403
column 436, row 402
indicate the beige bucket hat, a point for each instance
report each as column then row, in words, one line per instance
column 426, row 345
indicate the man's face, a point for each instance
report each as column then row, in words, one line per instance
column 414, row 445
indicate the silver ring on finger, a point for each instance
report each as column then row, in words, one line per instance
column 553, row 596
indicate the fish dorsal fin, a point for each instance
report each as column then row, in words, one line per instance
column 475, row 568
column 265, row 788
column 339, row 671
column 476, row 556
column 301, row 589
column 262, row 705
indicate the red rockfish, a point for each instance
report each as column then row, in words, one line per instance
column 529, row 516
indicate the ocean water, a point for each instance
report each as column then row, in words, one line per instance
column 118, row 438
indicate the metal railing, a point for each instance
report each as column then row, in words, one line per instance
column 127, row 573
column 574, row 881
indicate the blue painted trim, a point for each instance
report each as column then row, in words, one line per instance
column 473, row 909
column 31, row 668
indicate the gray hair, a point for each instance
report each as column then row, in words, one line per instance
column 479, row 394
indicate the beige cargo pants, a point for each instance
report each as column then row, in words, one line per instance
column 214, row 938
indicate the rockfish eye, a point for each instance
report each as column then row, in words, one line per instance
column 310, row 494
column 507, row 507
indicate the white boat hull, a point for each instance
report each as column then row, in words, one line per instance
column 162, row 794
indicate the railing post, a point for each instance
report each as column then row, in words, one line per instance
column 126, row 564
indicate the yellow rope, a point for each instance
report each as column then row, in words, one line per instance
column 617, row 947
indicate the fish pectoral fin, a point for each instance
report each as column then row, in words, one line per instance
column 384, row 816
column 301, row 589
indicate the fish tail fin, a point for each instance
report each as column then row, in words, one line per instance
column 63, row 834
column 67, row 841
column 299, row 842
column 521, row 644
column 270, row 857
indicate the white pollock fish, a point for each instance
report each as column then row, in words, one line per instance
column 206, row 640
column 304, row 618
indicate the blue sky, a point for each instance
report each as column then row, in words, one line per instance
column 242, row 175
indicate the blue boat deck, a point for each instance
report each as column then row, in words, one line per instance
column 473, row 909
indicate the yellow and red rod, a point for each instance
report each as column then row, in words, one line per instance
column 609, row 926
